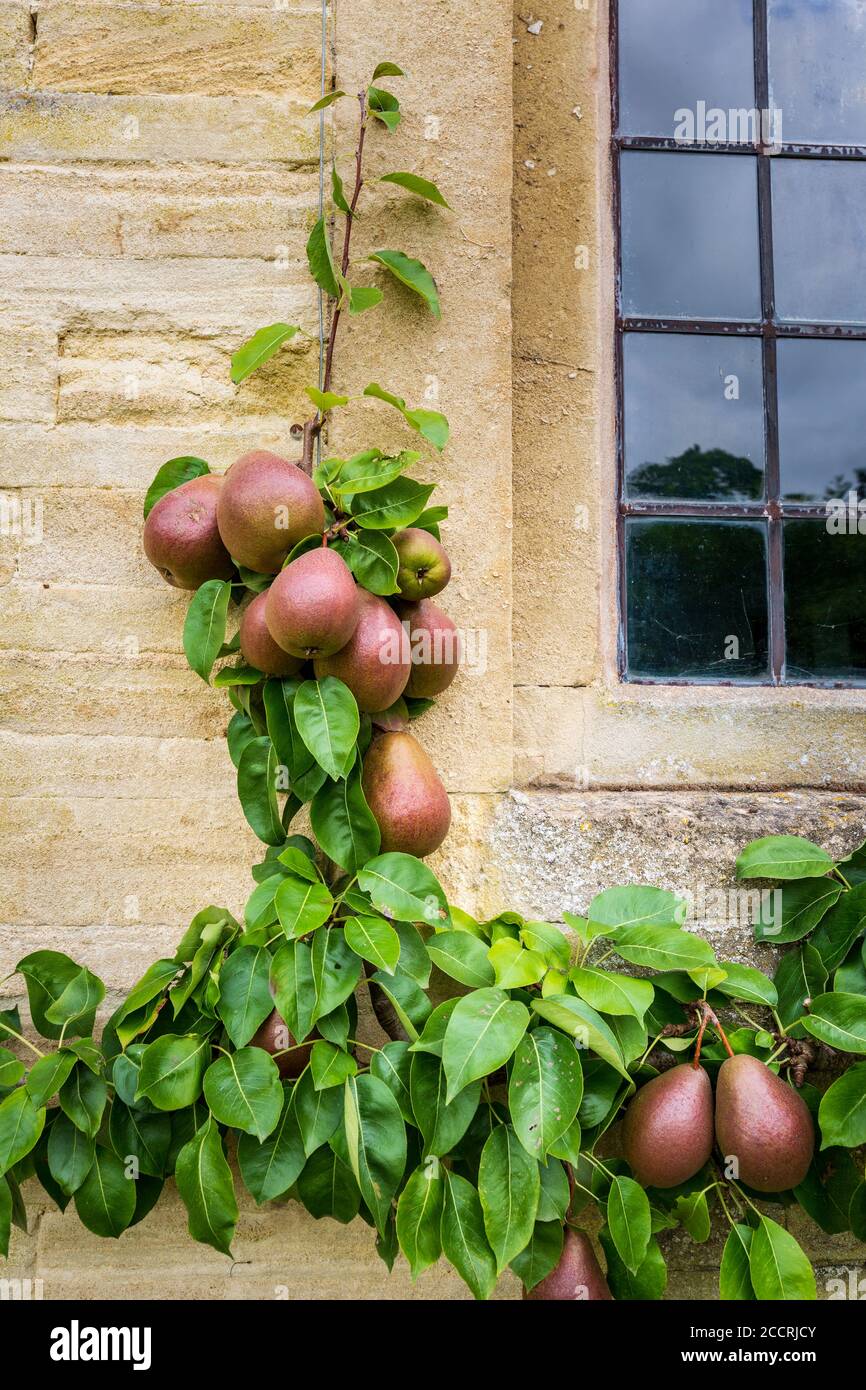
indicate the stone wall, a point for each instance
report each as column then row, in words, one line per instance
column 159, row 181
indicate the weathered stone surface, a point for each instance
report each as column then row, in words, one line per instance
column 28, row 370
column 14, row 42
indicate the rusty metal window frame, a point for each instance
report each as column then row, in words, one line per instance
column 772, row 508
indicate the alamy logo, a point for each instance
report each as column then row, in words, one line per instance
column 77, row 1343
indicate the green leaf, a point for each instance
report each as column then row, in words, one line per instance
column 339, row 196
column 172, row 1069
column 384, row 106
column 635, row 907
column 364, row 297
column 544, row 1089
column 204, row 629
column 462, row 957
column 47, row 974
column 387, row 69
column 171, row 475
column 419, row 1217
column 375, row 940
column 413, row 274
column 325, row 101
column 330, row 1065
column 139, row 1134
column 541, row 1255
column 840, row 928
column 513, row 966
column 742, row 982
column 336, row 971
column 581, row 1022
column 432, row 424
column 343, row 823
column 800, row 975
column 838, row 1020
column 270, row 1168
column 647, row 1284
column 257, row 790
column 317, row 1112
column 376, row 1142
column 783, row 856
column 442, row 1124
column 105, row 1201
column 304, row 773
column 6, row 1217
column 549, row 940
column 663, row 948
column 302, row 906
column 779, row 1270
column 12, row 1070
column 694, row 1215
column 46, row 1076
column 464, row 1239
column 372, row 557
column 413, row 183
column 243, row 1091
column 70, row 1154
column 236, row 675
column 204, row 1181
column 409, row 1001
column 392, row 1064
column 327, row 1187
column 320, row 260
column 260, row 348
column 369, row 470
column 82, row 1098
column 402, row 887
column 245, row 996
column 391, row 507
column 735, row 1281
column 293, row 989
column 629, row 1221
column 21, row 1124
column 842, row 1113
column 555, row 1195
column 508, row 1189
column 482, row 1033
column 790, row 913
column 326, row 714
column 325, row 400
column 611, row 993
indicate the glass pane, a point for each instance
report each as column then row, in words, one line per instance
column 819, row 251
column 817, row 67
column 697, row 600
column 690, row 236
column 674, row 54
column 825, row 613
column 822, row 418
column 694, row 423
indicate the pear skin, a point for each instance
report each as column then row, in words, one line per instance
column 266, row 506
column 181, row 538
column 424, row 565
column 577, row 1277
column 406, row 795
column 313, row 605
column 374, row 663
column 668, row 1127
column 434, row 643
column 273, row 1036
column 258, row 647
column 764, row 1124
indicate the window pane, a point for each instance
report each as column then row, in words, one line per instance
column 694, row 423
column 819, row 251
column 697, row 600
column 825, row 614
column 822, row 418
column 690, row 236
column 817, row 69
column 675, row 53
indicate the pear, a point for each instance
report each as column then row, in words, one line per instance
column 406, row 795
column 764, row 1124
column 375, row 663
column 273, row 1036
column 313, row 605
column 577, row 1276
column 424, row 565
column 668, row 1127
column 181, row 538
column 266, row 506
column 258, row 647
column 435, row 648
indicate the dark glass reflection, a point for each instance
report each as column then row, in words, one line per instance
column 696, row 600
column 822, row 418
column 819, row 250
column 693, row 417
column 674, row 54
column 825, row 600
column 690, row 236
column 817, row 67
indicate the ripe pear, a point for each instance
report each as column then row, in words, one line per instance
column 764, row 1124
column 375, row 663
column 424, row 565
column 668, row 1127
column 578, row 1275
column 181, row 538
column 266, row 506
column 435, row 647
column 273, row 1036
column 313, row 605
column 258, row 647
column 406, row 795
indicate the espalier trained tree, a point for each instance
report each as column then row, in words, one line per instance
column 482, row 1130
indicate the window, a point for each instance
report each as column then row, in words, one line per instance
column 740, row 191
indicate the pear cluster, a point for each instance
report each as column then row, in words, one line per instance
column 762, row 1127
column 315, row 619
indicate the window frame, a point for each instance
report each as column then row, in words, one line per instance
column 773, row 508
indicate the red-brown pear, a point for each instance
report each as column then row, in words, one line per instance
column 763, row 1124
column 258, row 647
column 406, row 795
column 374, row 664
column 181, row 538
column 668, row 1127
column 434, row 644
column 313, row 605
column 577, row 1277
column 273, row 1036
column 266, row 506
